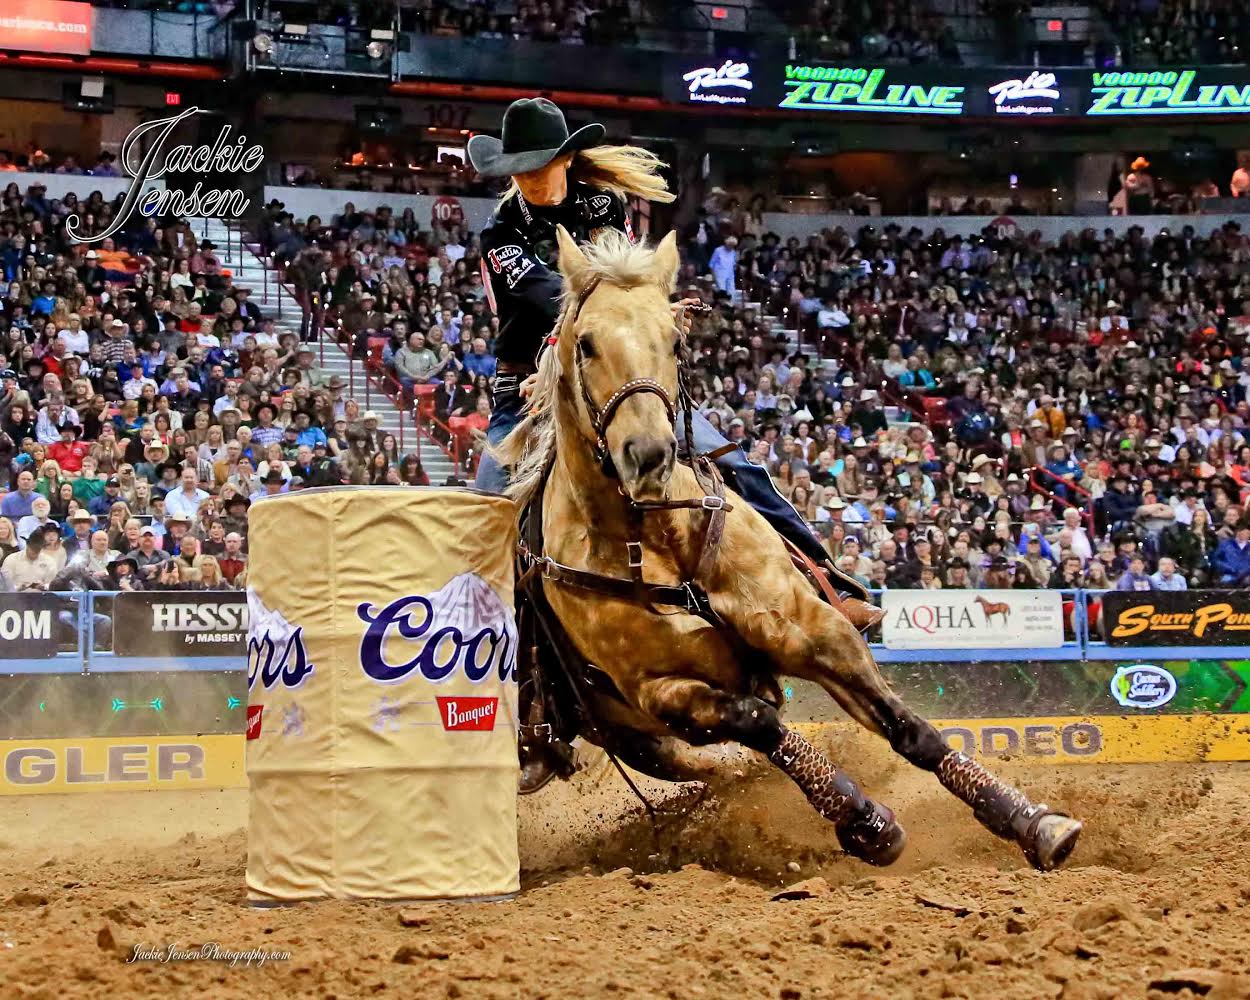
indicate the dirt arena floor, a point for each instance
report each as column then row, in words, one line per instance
column 1155, row 903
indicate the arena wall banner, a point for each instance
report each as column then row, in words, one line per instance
column 968, row 619
column 1177, row 618
column 1087, row 739
column 1007, row 94
column 180, row 624
column 47, row 26
column 28, row 627
column 121, row 764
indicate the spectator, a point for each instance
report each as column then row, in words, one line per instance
column 147, row 557
column 1230, row 564
column 185, row 501
column 29, row 569
column 1166, row 577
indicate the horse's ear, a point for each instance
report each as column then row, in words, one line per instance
column 573, row 263
column 667, row 261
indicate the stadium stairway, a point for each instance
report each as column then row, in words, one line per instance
column 251, row 270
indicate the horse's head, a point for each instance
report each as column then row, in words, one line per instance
column 618, row 349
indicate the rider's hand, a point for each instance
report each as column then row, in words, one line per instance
column 682, row 309
column 526, row 388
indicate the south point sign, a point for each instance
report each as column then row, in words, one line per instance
column 846, row 88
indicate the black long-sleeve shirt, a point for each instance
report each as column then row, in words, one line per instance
column 519, row 265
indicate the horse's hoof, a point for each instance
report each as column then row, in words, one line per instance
column 1051, row 839
column 877, row 838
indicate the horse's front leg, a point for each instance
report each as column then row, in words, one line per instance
column 818, row 644
column 701, row 714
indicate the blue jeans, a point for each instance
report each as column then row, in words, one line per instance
column 755, row 486
column 507, row 410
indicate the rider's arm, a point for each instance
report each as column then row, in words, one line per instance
column 514, row 274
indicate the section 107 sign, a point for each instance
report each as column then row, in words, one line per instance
column 972, row 619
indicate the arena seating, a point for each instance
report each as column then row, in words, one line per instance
column 120, row 414
column 932, row 405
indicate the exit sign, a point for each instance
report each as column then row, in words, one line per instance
column 172, row 98
column 1054, row 25
column 719, row 13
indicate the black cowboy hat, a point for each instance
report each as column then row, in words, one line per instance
column 534, row 134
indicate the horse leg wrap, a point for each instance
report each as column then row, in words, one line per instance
column 866, row 829
column 1046, row 837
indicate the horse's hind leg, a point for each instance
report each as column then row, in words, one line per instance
column 701, row 714
column 842, row 665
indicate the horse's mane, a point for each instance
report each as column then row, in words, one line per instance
column 531, row 447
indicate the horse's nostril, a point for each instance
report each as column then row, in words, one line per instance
column 648, row 455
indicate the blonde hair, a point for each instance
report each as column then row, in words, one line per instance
column 623, row 170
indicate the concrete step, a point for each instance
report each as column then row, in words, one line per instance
column 249, row 269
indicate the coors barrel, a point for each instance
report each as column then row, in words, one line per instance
column 381, row 720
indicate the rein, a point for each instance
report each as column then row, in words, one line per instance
column 688, row 595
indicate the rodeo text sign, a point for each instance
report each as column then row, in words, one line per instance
column 180, row 624
column 963, row 619
column 1178, row 618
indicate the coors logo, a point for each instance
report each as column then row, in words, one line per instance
column 276, row 653
column 461, row 626
column 468, row 714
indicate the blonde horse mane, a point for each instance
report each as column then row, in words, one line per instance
column 531, row 447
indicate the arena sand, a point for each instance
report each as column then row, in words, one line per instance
column 1156, row 902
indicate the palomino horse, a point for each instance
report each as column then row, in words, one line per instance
column 992, row 608
column 683, row 595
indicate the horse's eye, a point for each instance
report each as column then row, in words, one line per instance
column 586, row 345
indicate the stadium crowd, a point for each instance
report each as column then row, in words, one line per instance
column 994, row 411
column 146, row 401
column 984, row 412
column 1172, row 32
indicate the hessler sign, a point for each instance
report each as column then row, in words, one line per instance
column 846, row 88
column 1168, row 92
column 728, row 76
column 175, row 625
column 46, row 26
column 958, row 619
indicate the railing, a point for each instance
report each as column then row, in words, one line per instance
column 1086, row 515
column 84, row 611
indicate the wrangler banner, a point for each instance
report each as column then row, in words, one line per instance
column 1177, row 618
column 963, row 619
column 172, row 623
column 121, row 764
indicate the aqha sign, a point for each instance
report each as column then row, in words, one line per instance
column 46, row 26
column 972, row 619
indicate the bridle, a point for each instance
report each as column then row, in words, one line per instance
column 689, row 594
column 601, row 416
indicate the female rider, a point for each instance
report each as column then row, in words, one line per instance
column 575, row 181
